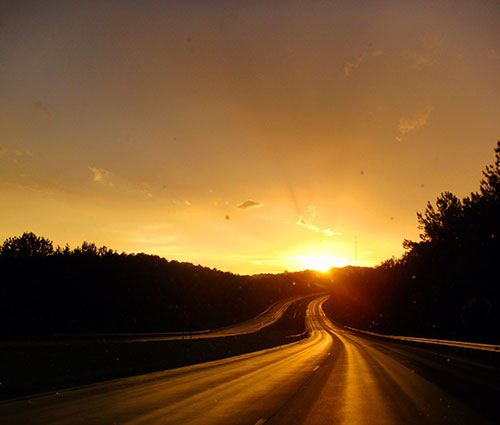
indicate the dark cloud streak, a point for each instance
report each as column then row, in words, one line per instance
column 249, row 203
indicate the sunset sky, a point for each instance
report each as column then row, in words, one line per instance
column 250, row 136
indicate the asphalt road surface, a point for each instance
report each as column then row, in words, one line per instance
column 331, row 377
column 266, row 318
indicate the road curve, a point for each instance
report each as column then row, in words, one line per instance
column 255, row 324
column 239, row 390
column 266, row 318
column 271, row 315
column 370, row 381
column 331, row 377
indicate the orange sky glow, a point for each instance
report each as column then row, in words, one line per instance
column 247, row 136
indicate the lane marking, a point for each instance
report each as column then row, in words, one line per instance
column 316, row 368
column 261, row 421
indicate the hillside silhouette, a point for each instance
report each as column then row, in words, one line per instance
column 47, row 290
column 446, row 285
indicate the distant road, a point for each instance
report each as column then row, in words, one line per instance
column 331, row 377
column 266, row 318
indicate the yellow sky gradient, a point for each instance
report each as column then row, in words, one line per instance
column 247, row 137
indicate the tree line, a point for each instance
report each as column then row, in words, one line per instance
column 446, row 285
column 46, row 290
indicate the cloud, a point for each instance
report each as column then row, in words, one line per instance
column 311, row 209
column 44, row 108
column 155, row 240
column 259, row 259
column 417, row 120
column 15, row 153
column 249, row 203
column 329, row 232
column 22, row 152
column 428, row 50
column 303, row 222
column 493, row 55
column 98, row 174
column 363, row 57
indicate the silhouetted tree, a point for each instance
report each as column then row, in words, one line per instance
column 445, row 285
column 25, row 246
column 490, row 184
column 443, row 222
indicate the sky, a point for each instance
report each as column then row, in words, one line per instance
column 249, row 136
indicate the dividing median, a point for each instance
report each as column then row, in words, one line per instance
column 34, row 368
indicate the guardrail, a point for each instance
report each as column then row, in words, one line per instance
column 300, row 335
column 134, row 334
column 437, row 342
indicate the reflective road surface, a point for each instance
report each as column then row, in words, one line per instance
column 266, row 318
column 331, row 377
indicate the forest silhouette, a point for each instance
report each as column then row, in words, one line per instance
column 47, row 291
column 444, row 286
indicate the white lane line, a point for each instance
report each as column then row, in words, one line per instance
column 261, row 421
column 316, row 368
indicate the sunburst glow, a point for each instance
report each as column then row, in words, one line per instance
column 214, row 135
column 320, row 262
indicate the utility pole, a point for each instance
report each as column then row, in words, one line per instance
column 355, row 250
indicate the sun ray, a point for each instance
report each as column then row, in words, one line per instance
column 319, row 262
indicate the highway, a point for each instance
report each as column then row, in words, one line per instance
column 271, row 315
column 266, row 318
column 331, row 377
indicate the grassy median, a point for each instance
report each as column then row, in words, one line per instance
column 36, row 368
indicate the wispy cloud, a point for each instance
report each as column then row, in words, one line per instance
column 360, row 59
column 260, row 259
column 415, row 121
column 50, row 189
column 155, row 240
column 99, row 174
column 429, row 47
column 15, row 154
column 43, row 108
column 21, row 152
column 305, row 223
column 249, row 203
column 329, row 232
column 311, row 209
column 493, row 55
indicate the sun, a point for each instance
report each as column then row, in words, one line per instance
column 317, row 258
column 321, row 263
